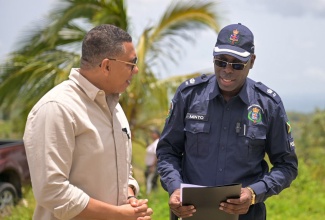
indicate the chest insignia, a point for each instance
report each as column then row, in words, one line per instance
column 255, row 113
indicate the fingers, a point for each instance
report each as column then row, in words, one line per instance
column 183, row 211
column 237, row 206
column 177, row 208
column 144, row 218
column 142, row 201
column 141, row 208
column 174, row 200
column 133, row 202
column 137, row 202
column 145, row 215
column 234, row 208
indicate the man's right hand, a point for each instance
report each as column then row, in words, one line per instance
column 177, row 208
column 141, row 212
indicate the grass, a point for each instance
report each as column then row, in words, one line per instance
column 304, row 200
column 25, row 208
column 295, row 203
column 158, row 201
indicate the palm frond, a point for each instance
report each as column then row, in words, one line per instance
column 178, row 25
column 48, row 51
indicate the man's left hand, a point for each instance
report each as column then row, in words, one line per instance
column 238, row 206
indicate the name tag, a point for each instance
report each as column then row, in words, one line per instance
column 193, row 116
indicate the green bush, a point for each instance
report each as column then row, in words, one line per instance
column 304, row 200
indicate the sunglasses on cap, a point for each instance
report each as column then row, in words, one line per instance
column 235, row 66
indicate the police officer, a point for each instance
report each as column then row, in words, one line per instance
column 219, row 129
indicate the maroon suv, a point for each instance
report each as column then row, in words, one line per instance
column 14, row 172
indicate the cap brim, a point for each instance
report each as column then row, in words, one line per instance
column 237, row 52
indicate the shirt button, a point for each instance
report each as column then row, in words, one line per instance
column 220, row 169
column 224, row 128
column 228, row 109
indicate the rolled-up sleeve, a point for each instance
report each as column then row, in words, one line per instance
column 133, row 182
column 49, row 142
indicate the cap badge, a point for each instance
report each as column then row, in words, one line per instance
column 234, row 37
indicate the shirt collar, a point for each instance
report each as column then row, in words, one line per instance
column 90, row 89
column 214, row 88
column 215, row 91
column 243, row 94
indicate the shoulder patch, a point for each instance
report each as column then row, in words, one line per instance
column 269, row 92
column 195, row 81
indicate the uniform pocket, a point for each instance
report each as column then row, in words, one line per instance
column 253, row 143
column 197, row 134
column 256, row 142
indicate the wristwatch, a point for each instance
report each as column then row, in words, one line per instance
column 253, row 194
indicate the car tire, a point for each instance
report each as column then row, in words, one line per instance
column 8, row 198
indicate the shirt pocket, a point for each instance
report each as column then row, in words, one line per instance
column 197, row 136
column 253, row 143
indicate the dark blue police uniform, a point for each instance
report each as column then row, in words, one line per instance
column 208, row 141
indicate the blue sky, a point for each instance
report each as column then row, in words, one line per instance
column 288, row 38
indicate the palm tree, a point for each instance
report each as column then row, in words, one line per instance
column 157, row 45
column 47, row 55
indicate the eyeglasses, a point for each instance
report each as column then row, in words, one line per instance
column 133, row 63
column 235, row 66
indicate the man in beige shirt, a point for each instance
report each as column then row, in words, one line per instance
column 77, row 137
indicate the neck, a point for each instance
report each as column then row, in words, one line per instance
column 228, row 95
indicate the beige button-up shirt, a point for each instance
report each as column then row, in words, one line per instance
column 78, row 146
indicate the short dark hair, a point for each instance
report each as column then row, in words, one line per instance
column 103, row 41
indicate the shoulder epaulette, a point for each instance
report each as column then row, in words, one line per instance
column 269, row 92
column 195, row 81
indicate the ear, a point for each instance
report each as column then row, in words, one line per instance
column 252, row 61
column 104, row 66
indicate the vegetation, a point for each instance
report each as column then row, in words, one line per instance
column 46, row 55
column 51, row 50
column 304, row 200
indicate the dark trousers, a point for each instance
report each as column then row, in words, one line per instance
column 255, row 212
